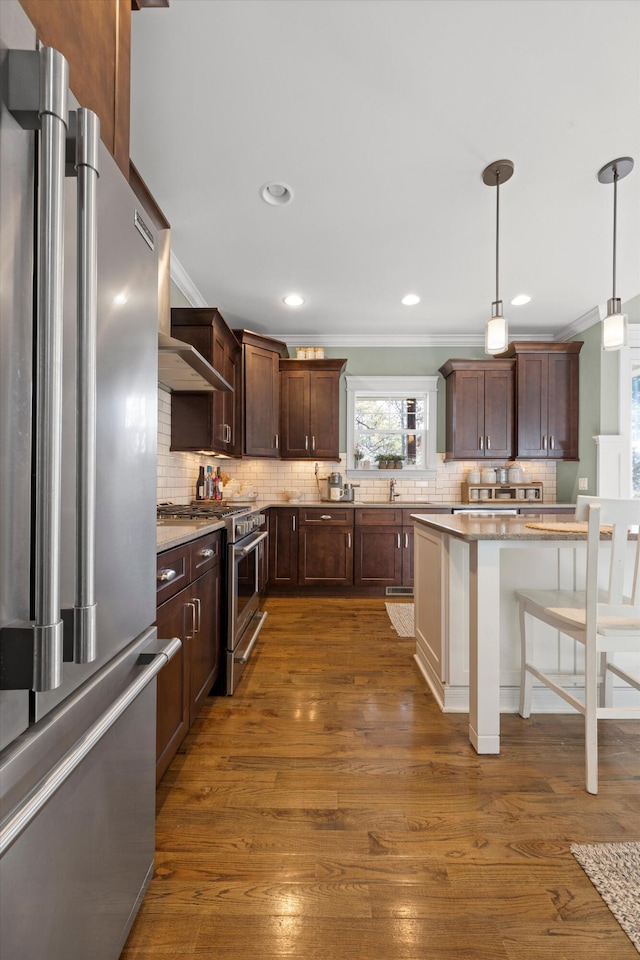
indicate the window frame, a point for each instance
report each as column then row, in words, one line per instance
column 422, row 387
column 629, row 358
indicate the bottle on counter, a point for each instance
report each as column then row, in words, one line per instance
column 218, row 485
column 200, row 485
column 208, row 485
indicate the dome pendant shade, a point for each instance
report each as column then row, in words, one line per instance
column 614, row 325
column 496, row 328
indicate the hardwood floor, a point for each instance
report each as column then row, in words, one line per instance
column 330, row 810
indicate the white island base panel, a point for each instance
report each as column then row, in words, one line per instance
column 468, row 633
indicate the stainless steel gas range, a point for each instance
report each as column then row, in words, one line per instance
column 246, row 541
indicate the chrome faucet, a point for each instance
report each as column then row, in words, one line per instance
column 392, row 490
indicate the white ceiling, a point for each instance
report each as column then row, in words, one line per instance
column 381, row 116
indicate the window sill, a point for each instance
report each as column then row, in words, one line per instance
column 384, row 474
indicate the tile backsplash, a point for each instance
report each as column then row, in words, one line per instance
column 177, row 473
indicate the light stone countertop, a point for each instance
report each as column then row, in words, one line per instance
column 466, row 527
column 174, row 533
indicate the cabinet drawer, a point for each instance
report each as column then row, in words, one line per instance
column 205, row 553
column 380, row 516
column 330, row 516
column 173, row 572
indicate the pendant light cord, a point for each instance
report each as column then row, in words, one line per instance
column 615, row 224
column 497, row 234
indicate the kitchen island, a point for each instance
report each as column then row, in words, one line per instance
column 467, row 569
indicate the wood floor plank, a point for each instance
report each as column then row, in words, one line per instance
column 330, row 811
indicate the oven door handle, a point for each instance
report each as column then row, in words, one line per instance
column 260, row 617
column 246, row 548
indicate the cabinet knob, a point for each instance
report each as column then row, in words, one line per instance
column 488, row 442
column 163, row 576
column 277, row 441
column 205, row 553
column 481, row 443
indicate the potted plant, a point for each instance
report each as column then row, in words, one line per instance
column 357, row 456
column 381, row 460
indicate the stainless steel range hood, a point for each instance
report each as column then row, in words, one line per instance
column 182, row 367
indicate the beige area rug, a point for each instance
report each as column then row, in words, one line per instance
column 401, row 616
column 614, row 870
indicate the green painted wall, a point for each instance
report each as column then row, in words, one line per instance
column 598, row 388
column 404, row 361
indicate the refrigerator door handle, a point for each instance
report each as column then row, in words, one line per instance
column 38, row 84
column 87, row 140
column 18, row 821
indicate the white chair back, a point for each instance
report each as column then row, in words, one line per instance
column 621, row 515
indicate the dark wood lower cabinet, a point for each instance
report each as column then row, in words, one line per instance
column 173, row 684
column 193, row 614
column 206, row 655
column 378, row 556
column 283, row 547
column 383, row 548
column 359, row 551
column 325, row 555
column 407, row 555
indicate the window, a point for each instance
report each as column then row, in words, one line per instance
column 391, row 423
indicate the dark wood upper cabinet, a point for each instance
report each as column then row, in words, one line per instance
column 547, row 380
column 260, row 393
column 310, row 409
column 480, row 409
column 95, row 38
column 208, row 421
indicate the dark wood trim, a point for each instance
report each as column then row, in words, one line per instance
column 541, row 346
column 290, row 364
column 145, row 196
column 262, row 340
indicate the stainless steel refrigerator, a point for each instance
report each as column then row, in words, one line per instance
column 78, row 649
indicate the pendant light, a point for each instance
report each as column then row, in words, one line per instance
column 496, row 337
column 614, row 325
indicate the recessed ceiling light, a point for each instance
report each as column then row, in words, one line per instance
column 293, row 300
column 520, row 299
column 410, row 300
column 120, row 298
column 275, row 193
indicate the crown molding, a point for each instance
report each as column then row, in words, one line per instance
column 392, row 340
column 589, row 319
column 185, row 284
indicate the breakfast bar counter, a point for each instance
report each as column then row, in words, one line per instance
column 467, row 570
